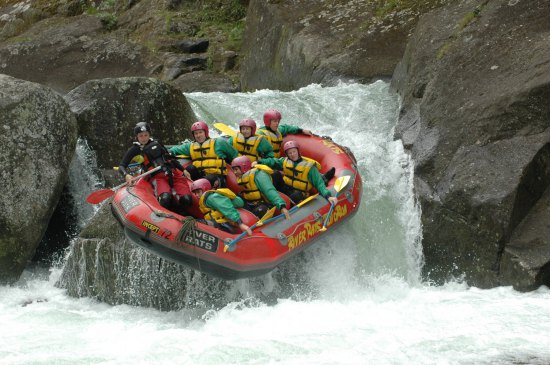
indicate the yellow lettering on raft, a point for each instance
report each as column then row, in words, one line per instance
column 333, row 147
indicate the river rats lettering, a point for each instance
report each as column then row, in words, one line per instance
column 311, row 229
column 338, row 213
column 334, row 147
column 201, row 239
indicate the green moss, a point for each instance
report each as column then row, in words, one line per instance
column 443, row 51
column 18, row 40
column 104, row 10
column 221, row 12
column 463, row 23
column 109, row 21
column 387, row 7
column 382, row 8
column 468, row 18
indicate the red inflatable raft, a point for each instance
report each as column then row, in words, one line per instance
column 186, row 241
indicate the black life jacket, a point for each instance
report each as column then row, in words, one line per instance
column 154, row 154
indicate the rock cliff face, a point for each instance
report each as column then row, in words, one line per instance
column 475, row 83
column 34, row 120
column 291, row 44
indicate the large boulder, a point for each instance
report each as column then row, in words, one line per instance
column 291, row 44
column 37, row 143
column 108, row 109
column 475, row 85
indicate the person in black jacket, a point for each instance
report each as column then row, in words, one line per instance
column 170, row 185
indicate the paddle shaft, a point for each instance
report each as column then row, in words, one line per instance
column 340, row 184
column 137, row 177
column 98, row 196
column 241, row 236
column 328, row 215
column 304, row 202
column 267, row 214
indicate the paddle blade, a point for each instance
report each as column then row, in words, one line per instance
column 99, row 196
column 307, row 200
column 341, row 183
column 266, row 216
column 225, row 129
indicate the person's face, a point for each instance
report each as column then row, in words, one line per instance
column 246, row 131
column 199, row 135
column 293, row 154
column 143, row 137
column 237, row 171
column 274, row 124
column 198, row 193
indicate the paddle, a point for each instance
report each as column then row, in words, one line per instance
column 100, row 195
column 267, row 215
column 340, row 183
column 302, row 203
column 225, row 129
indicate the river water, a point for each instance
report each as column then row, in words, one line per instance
column 370, row 305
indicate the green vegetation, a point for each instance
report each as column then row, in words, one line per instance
column 105, row 11
column 463, row 23
column 383, row 8
column 443, row 51
column 468, row 18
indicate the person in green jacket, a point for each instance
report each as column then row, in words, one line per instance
column 258, row 191
column 274, row 131
column 250, row 144
column 209, row 156
column 219, row 206
column 300, row 174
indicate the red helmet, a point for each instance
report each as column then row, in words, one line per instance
column 248, row 123
column 271, row 114
column 198, row 126
column 291, row 144
column 202, row 184
column 243, row 162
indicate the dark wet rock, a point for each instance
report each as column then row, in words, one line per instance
column 224, row 61
column 204, row 81
column 176, row 65
column 475, row 84
column 37, row 142
column 525, row 263
column 186, row 46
